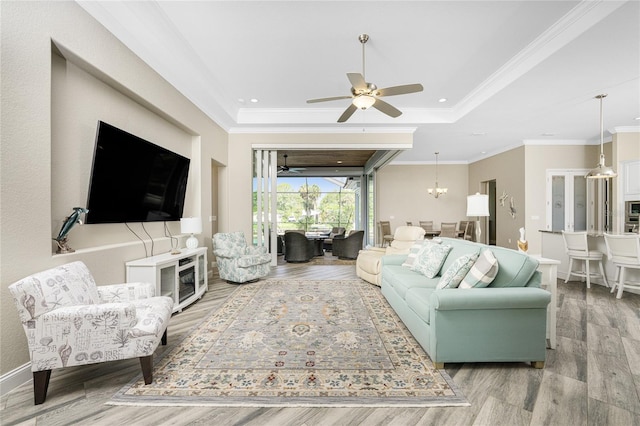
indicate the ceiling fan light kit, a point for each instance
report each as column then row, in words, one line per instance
column 365, row 95
column 601, row 171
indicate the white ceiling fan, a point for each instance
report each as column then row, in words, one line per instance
column 365, row 95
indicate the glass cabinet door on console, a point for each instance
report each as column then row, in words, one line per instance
column 182, row 277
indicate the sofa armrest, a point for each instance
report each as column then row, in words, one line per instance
column 393, row 259
column 489, row 298
column 126, row 292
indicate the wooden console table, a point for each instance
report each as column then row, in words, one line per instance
column 549, row 270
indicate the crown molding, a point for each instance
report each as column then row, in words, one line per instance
column 325, row 130
column 555, row 142
column 625, row 129
column 330, row 115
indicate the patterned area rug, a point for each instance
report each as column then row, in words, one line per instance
column 298, row 343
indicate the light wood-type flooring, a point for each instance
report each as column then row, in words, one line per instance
column 592, row 378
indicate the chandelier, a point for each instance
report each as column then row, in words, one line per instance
column 601, row 171
column 437, row 191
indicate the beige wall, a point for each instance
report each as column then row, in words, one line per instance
column 508, row 170
column 402, row 194
column 49, row 108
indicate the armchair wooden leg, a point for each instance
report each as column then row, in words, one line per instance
column 439, row 365
column 146, row 362
column 40, row 385
column 537, row 364
column 164, row 338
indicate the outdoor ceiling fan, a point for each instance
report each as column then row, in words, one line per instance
column 365, row 95
column 285, row 168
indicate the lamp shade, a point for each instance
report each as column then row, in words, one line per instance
column 478, row 205
column 191, row 225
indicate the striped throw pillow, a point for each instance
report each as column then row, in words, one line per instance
column 483, row 271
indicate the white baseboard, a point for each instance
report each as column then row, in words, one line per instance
column 15, row 378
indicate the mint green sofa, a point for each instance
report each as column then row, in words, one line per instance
column 504, row 322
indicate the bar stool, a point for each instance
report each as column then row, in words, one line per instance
column 624, row 252
column 577, row 248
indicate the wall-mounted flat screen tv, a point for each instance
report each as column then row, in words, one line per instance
column 134, row 180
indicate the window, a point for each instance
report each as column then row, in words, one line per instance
column 315, row 204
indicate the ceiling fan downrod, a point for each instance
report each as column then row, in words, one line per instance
column 364, row 38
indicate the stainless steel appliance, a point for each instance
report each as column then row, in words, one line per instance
column 632, row 216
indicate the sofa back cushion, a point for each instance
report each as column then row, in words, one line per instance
column 405, row 236
column 515, row 269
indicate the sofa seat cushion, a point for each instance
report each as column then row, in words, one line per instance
column 402, row 279
column 417, row 299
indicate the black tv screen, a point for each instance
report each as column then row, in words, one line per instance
column 133, row 180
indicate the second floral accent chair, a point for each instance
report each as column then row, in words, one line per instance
column 70, row 321
column 237, row 261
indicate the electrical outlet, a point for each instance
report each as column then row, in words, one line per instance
column 509, row 240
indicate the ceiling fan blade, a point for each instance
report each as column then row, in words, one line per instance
column 347, row 113
column 400, row 90
column 388, row 109
column 335, row 98
column 357, row 80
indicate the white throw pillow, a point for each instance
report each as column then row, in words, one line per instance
column 483, row 271
column 430, row 258
column 457, row 271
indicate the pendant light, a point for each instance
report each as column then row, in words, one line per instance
column 601, row 171
column 437, row 191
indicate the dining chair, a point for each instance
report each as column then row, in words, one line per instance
column 467, row 230
column 624, row 252
column 577, row 248
column 385, row 231
column 409, row 223
column 448, row 229
column 427, row 225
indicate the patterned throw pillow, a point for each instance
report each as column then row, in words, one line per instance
column 482, row 272
column 413, row 253
column 430, row 258
column 457, row 271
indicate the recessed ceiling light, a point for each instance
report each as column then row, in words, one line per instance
column 442, row 100
column 339, row 161
column 240, row 100
column 254, row 101
column 548, row 134
column 637, row 118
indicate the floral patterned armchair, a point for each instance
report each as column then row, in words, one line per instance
column 70, row 321
column 237, row 261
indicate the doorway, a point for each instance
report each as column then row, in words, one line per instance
column 493, row 225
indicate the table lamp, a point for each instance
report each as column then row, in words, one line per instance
column 478, row 205
column 191, row 225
